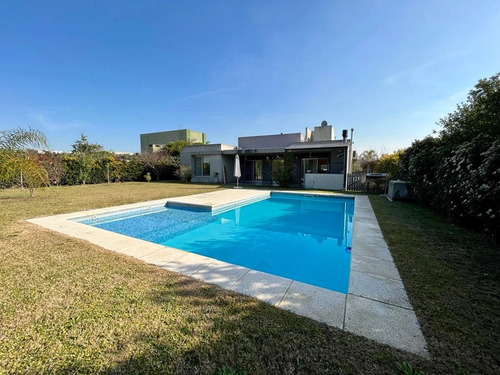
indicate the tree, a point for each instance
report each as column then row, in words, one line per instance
column 157, row 161
column 175, row 148
column 283, row 170
column 86, row 158
column 16, row 162
column 20, row 139
column 389, row 163
column 457, row 173
column 368, row 160
column 82, row 146
column 480, row 114
column 184, row 173
column 53, row 164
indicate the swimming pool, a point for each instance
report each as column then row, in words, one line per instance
column 302, row 237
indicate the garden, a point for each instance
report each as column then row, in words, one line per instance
column 67, row 306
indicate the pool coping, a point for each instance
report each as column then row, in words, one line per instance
column 376, row 305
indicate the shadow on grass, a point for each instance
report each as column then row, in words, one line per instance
column 218, row 327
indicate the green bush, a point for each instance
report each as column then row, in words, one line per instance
column 418, row 164
column 283, row 170
column 471, row 184
column 389, row 163
column 458, row 172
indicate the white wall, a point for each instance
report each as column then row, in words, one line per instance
column 213, row 154
column 215, row 166
column 323, row 133
column 324, row 181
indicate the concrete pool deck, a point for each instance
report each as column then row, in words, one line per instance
column 376, row 305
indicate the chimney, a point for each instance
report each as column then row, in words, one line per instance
column 308, row 135
column 344, row 135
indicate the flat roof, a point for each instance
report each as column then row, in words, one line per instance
column 316, row 145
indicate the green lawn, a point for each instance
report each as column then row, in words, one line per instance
column 452, row 277
column 67, row 306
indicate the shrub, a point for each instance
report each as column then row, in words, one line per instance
column 283, row 170
column 389, row 163
column 471, row 184
column 184, row 173
column 458, row 173
column 418, row 164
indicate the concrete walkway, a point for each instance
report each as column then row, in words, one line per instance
column 376, row 305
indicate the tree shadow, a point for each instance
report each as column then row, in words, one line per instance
column 217, row 327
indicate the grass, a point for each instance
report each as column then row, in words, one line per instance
column 452, row 278
column 67, row 306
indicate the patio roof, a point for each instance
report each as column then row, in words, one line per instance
column 317, row 145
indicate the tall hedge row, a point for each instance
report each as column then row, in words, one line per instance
column 458, row 171
column 101, row 167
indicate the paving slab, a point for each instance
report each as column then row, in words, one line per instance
column 378, row 288
column 362, row 202
column 365, row 214
column 162, row 256
column 387, row 324
column 263, row 286
column 124, row 246
column 217, row 199
column 188, row 264
column 320, row 304
column 366, row 228
column 72, row 229
column 220, row 273
column 373, row 247
column 374, row 266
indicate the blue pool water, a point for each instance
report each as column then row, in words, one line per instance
column 304, row 238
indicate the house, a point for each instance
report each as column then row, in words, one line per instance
column 151, row 142
column 320, row 161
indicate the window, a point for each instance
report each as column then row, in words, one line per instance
column 201, row 166
column 315, row 165
column 253, row 170
column 197, row 166
column 206, row 168
column 323, row 166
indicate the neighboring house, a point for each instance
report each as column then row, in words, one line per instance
column 321, row 162
column 151, row 142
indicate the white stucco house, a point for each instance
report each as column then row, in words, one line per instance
column 321, row 161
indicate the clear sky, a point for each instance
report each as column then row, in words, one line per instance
column 114, row 69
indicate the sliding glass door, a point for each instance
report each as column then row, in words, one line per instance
column 253, row 170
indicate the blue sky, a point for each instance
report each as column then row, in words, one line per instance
column 115, row 69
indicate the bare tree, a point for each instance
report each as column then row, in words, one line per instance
column 157, row 161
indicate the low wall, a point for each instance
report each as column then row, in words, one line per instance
column 324, row 181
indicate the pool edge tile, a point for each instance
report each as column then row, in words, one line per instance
column 322, row 305
column 187, row 264
column 222, row 274
column 385, row 323
column 263, row 286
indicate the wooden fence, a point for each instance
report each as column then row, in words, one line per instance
column 356, row 181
